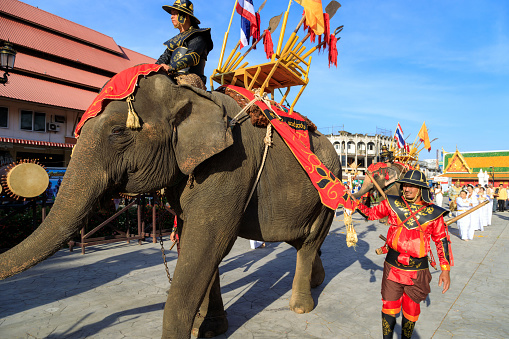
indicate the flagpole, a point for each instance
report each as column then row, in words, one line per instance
column 226, row 37
column 282, row 34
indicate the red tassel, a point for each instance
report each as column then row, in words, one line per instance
column 320, row 44
column 255, row 30
column 312, row 37
column 326, row 32
column 333, row 51
column 305, row 25
column 267, row 42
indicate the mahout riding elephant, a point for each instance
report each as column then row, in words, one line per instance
column 208, row 169
column 385, row 175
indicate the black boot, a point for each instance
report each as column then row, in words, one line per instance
column 388, row 323
column 407, row 328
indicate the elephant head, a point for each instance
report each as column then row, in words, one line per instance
column 385, row 177
column 109, row 158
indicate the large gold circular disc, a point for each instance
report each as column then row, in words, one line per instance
column 27, row 180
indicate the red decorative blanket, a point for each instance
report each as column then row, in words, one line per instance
column 119, row 87
column 331, row 190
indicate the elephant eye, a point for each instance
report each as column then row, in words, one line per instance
column 117, row 130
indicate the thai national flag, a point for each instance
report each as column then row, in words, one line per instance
column 400, row 139
column 246, row 10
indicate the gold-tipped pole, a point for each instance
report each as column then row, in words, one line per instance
column 282, row 34
column 226, row 37
column 293, row 36
column 229, row 58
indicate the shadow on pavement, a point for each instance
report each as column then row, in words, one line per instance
column 273, row 280
column 50, row 284
column 91, row 329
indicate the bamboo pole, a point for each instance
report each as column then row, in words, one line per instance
column 450, row 221
column 232, row 53
column 225, row 39
column 283, row 29
column 380, row 190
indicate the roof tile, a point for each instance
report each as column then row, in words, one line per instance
column 34, row 38
column 24, row 88
column 50, row 21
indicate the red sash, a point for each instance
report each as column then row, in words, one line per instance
column 331, row 190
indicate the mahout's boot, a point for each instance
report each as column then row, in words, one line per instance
column 388, row 323
column 407, row 328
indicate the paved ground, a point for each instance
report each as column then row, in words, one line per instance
column 118, row 291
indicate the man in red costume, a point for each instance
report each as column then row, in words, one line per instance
column 413, row 220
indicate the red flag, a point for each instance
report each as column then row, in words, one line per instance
column 267, row 42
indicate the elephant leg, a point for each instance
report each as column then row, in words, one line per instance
column 211, row 320
column 309, row 270
column 318, row 273
column 196, row 266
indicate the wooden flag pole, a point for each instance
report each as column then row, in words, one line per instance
column 225, row 39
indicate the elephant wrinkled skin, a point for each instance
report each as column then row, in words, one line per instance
column 184, row 131
column 385, row 177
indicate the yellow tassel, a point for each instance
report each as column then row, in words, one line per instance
column 351, row 235
column 133, row 121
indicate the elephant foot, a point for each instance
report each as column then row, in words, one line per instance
column 318, row 273
column 301, row 302
column 209, row 326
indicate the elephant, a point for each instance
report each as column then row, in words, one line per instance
column 385, row 177
column 208, row 168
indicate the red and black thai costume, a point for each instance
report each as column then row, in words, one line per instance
column 406, row 275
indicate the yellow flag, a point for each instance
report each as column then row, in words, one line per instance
column 314, row 15
column 423, row 136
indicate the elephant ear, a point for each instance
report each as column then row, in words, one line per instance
column 201, row 128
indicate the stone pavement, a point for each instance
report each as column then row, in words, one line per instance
column 118, row 291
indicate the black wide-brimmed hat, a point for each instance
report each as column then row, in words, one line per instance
column 414, row 177
column 417, row 178
column 184, row 6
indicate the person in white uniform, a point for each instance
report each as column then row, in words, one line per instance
column 475, row 217
column 464, row 204
column 439, row 196
column 255, row 244
column 482, row 197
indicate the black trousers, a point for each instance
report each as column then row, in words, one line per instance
column 501, row 205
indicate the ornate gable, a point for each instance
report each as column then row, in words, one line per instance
column 457, row 164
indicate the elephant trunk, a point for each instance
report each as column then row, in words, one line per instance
column 81, row 187
column 366, row 186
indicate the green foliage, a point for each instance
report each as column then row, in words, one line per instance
column 16, row 228
column 19, row 226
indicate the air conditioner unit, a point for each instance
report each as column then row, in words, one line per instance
column 52, row 127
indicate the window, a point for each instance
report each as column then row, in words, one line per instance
column 4, row 117
column 33, row 121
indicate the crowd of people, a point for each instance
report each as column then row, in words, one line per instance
column 462, row 199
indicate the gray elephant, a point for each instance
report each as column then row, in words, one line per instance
column 385, row 176
column 208, row 168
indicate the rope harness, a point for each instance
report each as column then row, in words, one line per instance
column 268, row 136
column 268, row 143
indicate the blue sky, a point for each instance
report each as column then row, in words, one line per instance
column 443, row 62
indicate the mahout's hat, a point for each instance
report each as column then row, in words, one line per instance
column 184, row 6
column 417, row 178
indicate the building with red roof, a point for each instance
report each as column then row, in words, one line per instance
column 60, row 68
